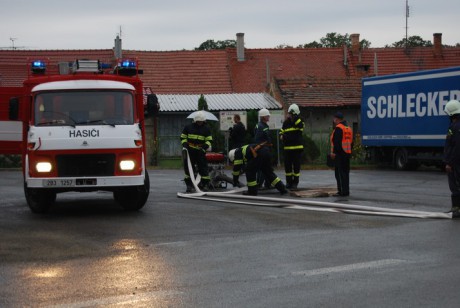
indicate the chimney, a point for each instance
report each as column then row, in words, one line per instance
column 354, row 44
column 117, row 49
column 437, row 44
column 240, row 46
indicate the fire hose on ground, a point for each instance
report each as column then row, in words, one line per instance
column 309, row 205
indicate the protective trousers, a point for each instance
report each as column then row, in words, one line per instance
column 454, row 186
column 262, row 163
column 342, row 173
column 292, row 159
column 198, row 159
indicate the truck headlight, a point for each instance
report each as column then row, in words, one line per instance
column 43, row 167
column 127, row 165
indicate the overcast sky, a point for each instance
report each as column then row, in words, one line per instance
column 185, row 24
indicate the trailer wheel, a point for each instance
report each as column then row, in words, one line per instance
column 39, row 200
column 133, row 198
column 402, row 161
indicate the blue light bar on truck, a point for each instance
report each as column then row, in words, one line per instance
column 127, row 67
column 38, row 67
column 128, row 64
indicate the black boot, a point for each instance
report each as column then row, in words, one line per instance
column 455, row 206
column 190, row 188
column 281, row 188
column 288, row 182
column 252, row 191
column 295, row 182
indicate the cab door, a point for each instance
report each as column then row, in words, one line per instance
column 11, row 130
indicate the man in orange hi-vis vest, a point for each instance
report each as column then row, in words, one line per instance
column 341, row 144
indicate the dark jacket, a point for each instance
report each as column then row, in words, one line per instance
column 452, row 145
column 292, row 131
column 237, row 135
column 195, row 136
column 262, row 133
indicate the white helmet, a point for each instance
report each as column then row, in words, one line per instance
column 264, row 112
column 452, row 107
column 199, row 116
column 231, row 154
column 294, row 109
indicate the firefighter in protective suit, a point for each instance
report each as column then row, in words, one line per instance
column 255, row 159
column 262, row 135
column 291, row 135
column 196, row 138
column 452, row 155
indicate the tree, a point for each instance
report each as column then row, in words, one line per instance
column 211, row 44
column 284, row 46
column 202, row 103
column 334, row 40
column 412, row 41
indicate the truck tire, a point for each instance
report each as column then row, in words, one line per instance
column 402, row 161
column 39, row 200
column 133, row 198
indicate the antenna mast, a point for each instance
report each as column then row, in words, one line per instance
column 12, row 39
column 407, row 18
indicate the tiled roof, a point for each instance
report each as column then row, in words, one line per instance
column 219, row 71
column 401, row 60
column 216, row 102
column 321, row 92
column 262, row 65
column 191, row 72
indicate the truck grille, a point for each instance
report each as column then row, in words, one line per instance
column 86, row 165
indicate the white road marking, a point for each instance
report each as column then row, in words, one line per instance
column 344, row 268
column 120, row 300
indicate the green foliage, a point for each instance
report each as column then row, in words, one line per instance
column 311, row 151
column 218, row 139
column 202, row 103
column 358, row 153
column 253, row 119
column 313, row 44
column 211, row 44
column 333, row 40
column 412, row 41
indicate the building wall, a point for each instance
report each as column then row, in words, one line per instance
column 318, row 122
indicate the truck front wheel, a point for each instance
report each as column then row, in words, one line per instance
column 39, row 200
column 133, row 198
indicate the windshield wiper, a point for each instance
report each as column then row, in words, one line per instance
column 103, row 122
column 54, row 122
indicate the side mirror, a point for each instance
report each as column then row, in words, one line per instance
column 153, row 106
column 14, row 108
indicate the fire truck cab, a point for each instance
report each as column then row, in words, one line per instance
column 82, row 131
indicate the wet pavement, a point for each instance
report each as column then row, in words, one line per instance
column 88, row 252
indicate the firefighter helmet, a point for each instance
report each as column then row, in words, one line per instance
column 231, row 154
column 264, row 112
column 452, row 107
column 199, row 117
column 294, row 109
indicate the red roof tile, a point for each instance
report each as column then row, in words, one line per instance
column 191, row 72
column 262, row 65
column 321, row 92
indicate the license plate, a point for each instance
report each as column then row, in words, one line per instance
column 57, row 183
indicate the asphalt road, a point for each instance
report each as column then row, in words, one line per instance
column 176, row 252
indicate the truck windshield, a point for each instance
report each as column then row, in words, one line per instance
column 84, row 108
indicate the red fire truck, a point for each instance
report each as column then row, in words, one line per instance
column 80, row 130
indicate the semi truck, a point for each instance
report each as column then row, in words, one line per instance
column 402, row 116
column 80, row 129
